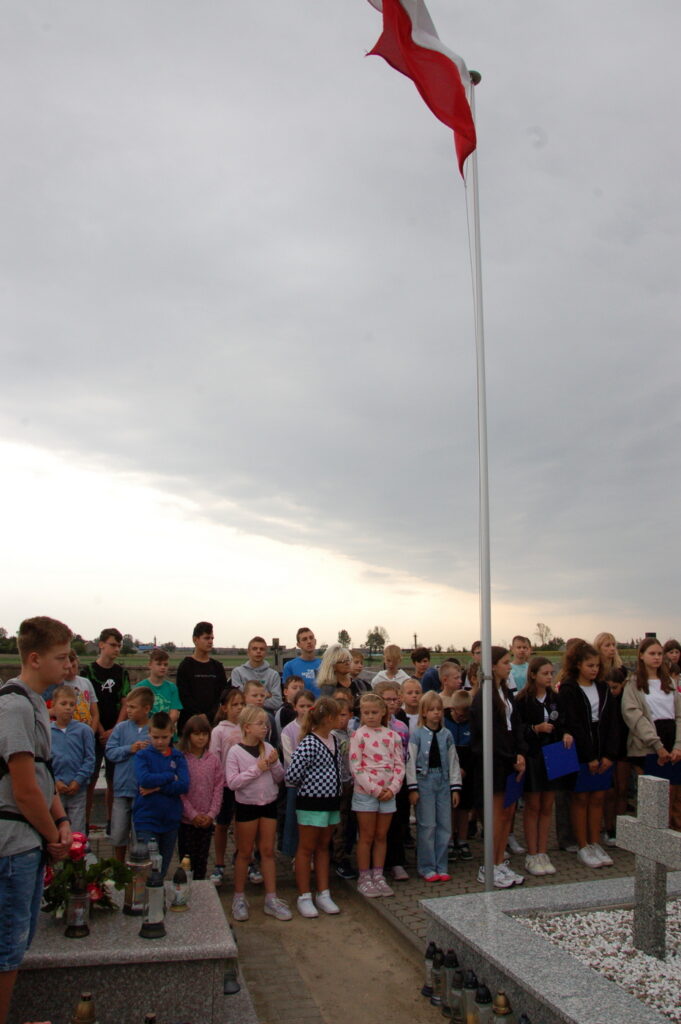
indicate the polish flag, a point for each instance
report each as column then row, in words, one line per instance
column 410, row 44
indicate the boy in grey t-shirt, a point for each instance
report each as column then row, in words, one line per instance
column 30, row 810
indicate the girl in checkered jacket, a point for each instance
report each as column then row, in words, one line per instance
column 315, row 771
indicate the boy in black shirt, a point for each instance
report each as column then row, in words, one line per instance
column 200, row 678
column 111, row 685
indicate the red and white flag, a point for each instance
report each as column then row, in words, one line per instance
column 410, row 44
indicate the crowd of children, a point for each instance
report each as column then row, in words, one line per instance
column 352, row 764
column 333, row 763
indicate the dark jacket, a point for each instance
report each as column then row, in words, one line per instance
column 574, row 706
column 160, row 811
column 506, row 744
column 531, row 712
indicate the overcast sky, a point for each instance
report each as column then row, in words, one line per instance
column 237, row 331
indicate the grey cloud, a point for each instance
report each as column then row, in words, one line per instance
column 234, row 260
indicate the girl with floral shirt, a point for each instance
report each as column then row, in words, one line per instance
column 377, row 765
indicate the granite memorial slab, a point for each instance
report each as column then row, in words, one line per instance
column 489, row 935
column 179, row 977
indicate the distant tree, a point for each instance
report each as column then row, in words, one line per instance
column 169, row 646
column 78, row 644
column 377, row 638
column 543, row 634
column 438, row 648
column 344, row 638
column 3, row 633
column 322, row 648
column 129, row 646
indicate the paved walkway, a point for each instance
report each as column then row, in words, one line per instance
column 281, row 965
column 404, row 912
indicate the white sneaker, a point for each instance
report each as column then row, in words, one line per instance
column 502, row 877
column 240, row 908
column 399, row 874
column 549, row 869
column 217, row 876
column 277, row 908
column 381, row 886
column 588, row 858
column 534, row 864
column 306, row 907
column 609, row 840
column 325, row 903
column 514, row 846
column 605, row 860
column 516, row 879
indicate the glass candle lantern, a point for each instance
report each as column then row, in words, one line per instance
column 77, row 913
column 139, row 862
column 470, row 986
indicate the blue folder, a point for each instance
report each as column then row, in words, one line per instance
column 560, row 760
column 588, row 783
column 514, row 789
column 665, row 771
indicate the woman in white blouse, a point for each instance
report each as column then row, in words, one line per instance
column 651, row 708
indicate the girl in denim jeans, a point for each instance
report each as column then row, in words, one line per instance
column 434, row 783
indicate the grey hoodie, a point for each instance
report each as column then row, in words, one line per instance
column 269, row 677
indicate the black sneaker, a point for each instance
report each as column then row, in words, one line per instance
column 452, row 852
column 345, row 870
column 463, row 851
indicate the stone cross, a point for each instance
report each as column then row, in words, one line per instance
column 656, row 848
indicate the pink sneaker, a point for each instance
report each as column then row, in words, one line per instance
column 381, row 886
column 366, row 887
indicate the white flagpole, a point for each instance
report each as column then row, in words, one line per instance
column 485, row 585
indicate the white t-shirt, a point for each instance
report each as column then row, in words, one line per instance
column 413, row 721
column 383, row 677
column 509, row 712
column 660, row 704
column 592, row 696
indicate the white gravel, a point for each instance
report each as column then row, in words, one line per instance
column 602, row 940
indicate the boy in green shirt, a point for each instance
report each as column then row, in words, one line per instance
column 166, row 696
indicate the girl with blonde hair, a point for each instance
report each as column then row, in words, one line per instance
column 377, row 765
column 254, row 772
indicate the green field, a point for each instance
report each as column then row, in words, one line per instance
column 231, row 661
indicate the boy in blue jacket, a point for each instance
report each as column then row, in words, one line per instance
column 126, row 739
column 73, row 755
column 162, row 776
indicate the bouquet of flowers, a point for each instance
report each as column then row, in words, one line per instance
column 82, row 873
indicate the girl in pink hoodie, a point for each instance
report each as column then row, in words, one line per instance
column 226, row 733
column 377, row 765
column 254, row 773
column 200, row 805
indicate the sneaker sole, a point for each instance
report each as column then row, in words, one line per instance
column 279, row 917
column 308, row 914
